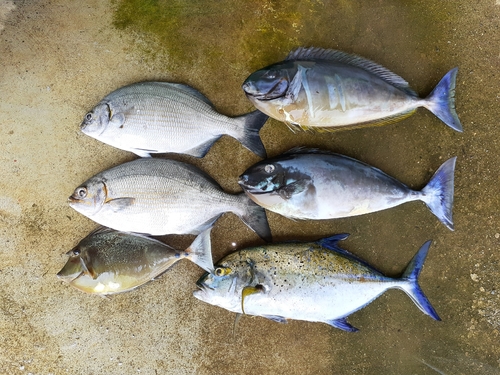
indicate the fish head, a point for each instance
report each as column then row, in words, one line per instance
column 224, row 285
column 96, row 121
column 74, row 267
column 264, row 177
column 89, row 197
column 269, row 83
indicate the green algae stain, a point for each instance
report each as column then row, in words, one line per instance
column 207, row 35
column 187, row 32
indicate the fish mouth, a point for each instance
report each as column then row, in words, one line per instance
column 252, row 91
column 242, row 181
column 73, row 200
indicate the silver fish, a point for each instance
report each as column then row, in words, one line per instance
column 109, row 262
column 316, row 282
column 157, row 117
column 310, row 184
column 157, row 197
column 321, row 88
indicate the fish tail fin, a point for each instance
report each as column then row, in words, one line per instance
column 438, row 194
column 410, row 282
column 200, row 251
column 254, row 217
column 248, row 135
column 441, row 101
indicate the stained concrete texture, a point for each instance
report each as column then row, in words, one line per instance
column 59, row 58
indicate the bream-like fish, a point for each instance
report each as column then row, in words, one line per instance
column 158, row 196
column 311, row 184
column 320, row 88
column 109, row 262
column 158, row 117
column 316, row 282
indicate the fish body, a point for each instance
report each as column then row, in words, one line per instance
column 317, row 282
column 309, row 184
column 158, row 196
column 108, row 261
column 158, row 117
column 315, row 88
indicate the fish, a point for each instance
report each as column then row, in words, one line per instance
column 161, row 117
column 161, row 196
column 325, row 89
column 318, row 185
column 108, row 262
column 314, row 281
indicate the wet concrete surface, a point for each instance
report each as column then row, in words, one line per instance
column 60, row 58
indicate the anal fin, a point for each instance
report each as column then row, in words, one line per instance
column 342, row 324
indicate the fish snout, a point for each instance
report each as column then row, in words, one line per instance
column 243, row 179
column 249, row 88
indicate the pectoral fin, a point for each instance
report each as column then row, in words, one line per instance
column 297, row 187
column 342, row 324
column 120, row 203
column 276, row 318
column 117, row 119
column 249, row 290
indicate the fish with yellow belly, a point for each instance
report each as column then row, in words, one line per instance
column 109, row 262
column 316, row 88
column 315, row 282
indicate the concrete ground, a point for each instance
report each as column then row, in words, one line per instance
column 59, row 58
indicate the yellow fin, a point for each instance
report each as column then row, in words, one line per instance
column 249, row 290
column 379, row 122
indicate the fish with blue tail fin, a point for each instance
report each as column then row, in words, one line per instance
column 316, row 88
column 316, row 282
column 318, row 185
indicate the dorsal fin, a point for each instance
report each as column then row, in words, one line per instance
column 314, row 53
column 330, row 243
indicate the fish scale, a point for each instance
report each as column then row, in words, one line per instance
column 316, row 282
column 159, row 117
column 159, row 196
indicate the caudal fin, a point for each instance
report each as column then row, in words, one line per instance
column 410, row 285
column 200, row 251
column 249, row 134
column 441, row 101
column 254, row 217
column 438, row 194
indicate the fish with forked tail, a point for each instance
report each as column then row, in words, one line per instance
column 313, row 184
column 316, row 88
column 159, row 196
column 109, row 262
column 158, row 117
column 316, row 282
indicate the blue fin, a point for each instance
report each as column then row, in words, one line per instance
column 441, row 101
column 342, row 324
column 330, row 243
column 275, row 318
column 411, row 286
column 438, row 194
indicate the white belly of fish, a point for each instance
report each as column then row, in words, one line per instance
column 333, row 299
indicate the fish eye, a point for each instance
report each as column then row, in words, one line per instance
column 76, row 252
column 88, row 116
column 269, row 168
column 81, row 192
column 222, row 271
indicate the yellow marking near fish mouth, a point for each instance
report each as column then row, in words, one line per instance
column 249, row 290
